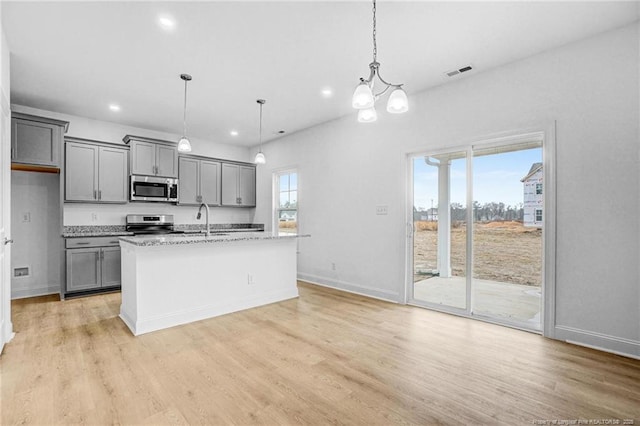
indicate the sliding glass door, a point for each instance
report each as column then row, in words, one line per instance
column 440, row 237
column 476, row 246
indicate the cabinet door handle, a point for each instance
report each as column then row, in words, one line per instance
column 83, row 243
column 114, row 242
column 95, row 194
column 100, row 194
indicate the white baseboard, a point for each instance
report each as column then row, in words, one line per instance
column 147, row 325
column 6, row 333
column 386, row 295
column 603, row 342
column 33, row 292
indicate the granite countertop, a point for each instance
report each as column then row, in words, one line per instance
column 94, row 231
column 182, row 239
column 79, row 231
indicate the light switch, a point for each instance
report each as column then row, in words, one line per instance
column 382, row 210
column 26, row 217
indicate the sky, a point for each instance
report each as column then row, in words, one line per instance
column 496, row 178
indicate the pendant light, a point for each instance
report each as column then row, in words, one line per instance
column 260, row 158
column 364, row 98
column 184, row 145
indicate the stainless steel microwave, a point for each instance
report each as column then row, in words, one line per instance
column 152, row 188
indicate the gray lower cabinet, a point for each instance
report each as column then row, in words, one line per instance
column 238, row 185
column 36, row 140
column 95, row 173
column 199, row 181
column 92, row 263
column 83, row 269
column 110, row 272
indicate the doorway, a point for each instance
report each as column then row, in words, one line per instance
column 477, row 241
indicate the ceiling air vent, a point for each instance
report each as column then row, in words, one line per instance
column 459, row 70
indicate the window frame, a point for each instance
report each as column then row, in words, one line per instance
column 276, row 209
column 538, row 189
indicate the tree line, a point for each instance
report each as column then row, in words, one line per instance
column 481, row 212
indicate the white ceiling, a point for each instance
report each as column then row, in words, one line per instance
column 78, row 57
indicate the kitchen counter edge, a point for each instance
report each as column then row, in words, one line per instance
column 186, row 239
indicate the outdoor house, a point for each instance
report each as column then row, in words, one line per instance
column 533, row 197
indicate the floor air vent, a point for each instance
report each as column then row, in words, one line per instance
column 21, row 272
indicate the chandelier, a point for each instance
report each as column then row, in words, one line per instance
column 364, row 97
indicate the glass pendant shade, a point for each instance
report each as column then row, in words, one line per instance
column 398, row 102
column 367, row 115
column 184, row 145
column 362, row 97
column 260, row 158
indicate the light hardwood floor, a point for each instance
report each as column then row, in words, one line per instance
column 325, row 358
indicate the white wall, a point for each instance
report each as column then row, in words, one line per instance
column 114, row 214
column 37, row 243
column 590, row 88
column 6, row 328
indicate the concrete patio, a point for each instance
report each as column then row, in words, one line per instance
column 504, row 301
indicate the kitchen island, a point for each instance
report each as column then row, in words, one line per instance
column 177, row 279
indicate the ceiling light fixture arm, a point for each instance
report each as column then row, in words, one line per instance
column 375, row 71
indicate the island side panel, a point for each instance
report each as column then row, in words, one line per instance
column 182, row 283
column 128, row 307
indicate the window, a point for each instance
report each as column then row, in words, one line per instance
column 286, row 202
column 538, row 215
column 538, row 188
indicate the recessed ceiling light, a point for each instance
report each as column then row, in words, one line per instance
column 233, row 133
column 327, row 92
column 114, row 107
column 166, row 22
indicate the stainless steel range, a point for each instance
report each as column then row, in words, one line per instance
column 145, row 224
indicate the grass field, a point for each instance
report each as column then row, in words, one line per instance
column 504, row 251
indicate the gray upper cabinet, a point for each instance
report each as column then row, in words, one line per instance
column 151, row 157
column 188, row 178
column 166, row 161
column 112, row 175
column 247, row 186
column 210, row 182
column 81, row 172
column 199, row 181
column 238, row 185
column 95, row 173
column 36, row 140
column 143, row 158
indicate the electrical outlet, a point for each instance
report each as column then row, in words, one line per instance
column 382, row 210
column 333, row 266
column 94, row 217
column 250, row 279
column 26, row 217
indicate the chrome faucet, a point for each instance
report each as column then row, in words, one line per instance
column 207, row 217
